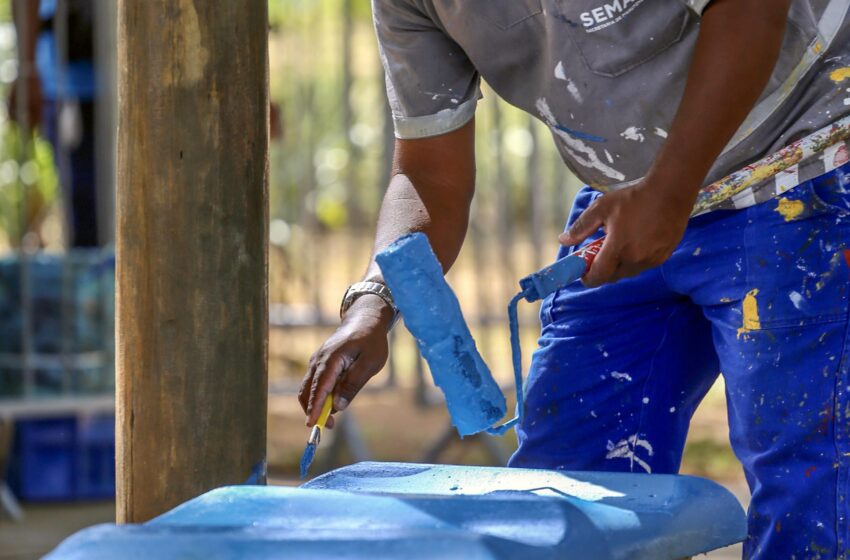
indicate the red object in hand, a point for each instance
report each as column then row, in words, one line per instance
column 589, row 252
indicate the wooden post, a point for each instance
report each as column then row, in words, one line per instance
column 192, row 254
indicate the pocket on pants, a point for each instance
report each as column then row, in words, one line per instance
column 832, row 191
column 797, row 260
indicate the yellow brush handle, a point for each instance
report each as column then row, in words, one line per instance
column 326, row 411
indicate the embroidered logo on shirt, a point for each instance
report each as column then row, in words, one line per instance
column 608, row 14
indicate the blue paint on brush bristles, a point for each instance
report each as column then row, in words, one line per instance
column 433, row 316
column 307, row 458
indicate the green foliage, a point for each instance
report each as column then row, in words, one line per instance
column 28, row 182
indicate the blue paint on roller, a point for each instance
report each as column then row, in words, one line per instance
column 432, row 314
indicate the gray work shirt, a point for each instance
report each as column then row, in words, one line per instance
column 607, row 76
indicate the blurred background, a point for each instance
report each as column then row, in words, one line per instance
column 329, row 164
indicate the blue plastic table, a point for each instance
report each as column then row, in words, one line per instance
column 392, row 510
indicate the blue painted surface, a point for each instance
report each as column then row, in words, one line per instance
column 390, row 510
column 552, row 278
column 433, row 316
column 326, row 534
column 534, row 287
column 640, row 516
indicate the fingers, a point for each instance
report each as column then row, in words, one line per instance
column 337, row 370
column 606, row 264
column 303, row 390
column 614, row 262
column 587, row 223
column 328, row 369
column 360, row 372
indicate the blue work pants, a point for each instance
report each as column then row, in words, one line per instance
column 759, row 294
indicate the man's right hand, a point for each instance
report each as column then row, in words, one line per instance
column 353, row 354
column 431, row 189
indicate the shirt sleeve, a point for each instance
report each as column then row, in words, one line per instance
column 432, row 86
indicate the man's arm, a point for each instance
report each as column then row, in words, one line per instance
column 738, row 45
column 27, row 86
column 431, row 190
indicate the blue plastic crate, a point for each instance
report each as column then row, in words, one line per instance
column 61, row 459
column 96, row 457
column 43, row 466
column 73, row 308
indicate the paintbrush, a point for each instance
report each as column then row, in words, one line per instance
column 316, row 435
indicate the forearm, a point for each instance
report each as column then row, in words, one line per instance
column 737, row 49
column 25, row 16
column 441, row 213
column 431, row 190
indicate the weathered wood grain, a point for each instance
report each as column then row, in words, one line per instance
column 191, row 249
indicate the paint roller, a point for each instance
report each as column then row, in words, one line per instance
column 433, row 316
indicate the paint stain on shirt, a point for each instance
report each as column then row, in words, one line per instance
column 840, row 74
column 790, row 209
column 751, row 313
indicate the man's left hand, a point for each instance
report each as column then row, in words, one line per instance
column 643, row 225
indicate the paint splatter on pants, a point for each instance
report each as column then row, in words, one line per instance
column 759, row 294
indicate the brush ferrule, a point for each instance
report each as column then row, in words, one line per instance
column 315, row 436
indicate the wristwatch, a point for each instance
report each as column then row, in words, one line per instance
column 354, row 291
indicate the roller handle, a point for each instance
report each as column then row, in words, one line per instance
column 562, row 272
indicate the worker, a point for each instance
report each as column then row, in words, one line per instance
column 55, row 91
column 709, row 264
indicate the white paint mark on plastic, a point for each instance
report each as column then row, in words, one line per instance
column 660, row 132
column 608, row 156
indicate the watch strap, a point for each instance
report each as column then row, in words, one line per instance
column 362, row 288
